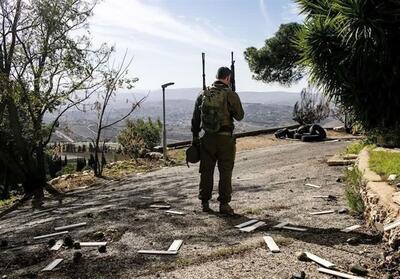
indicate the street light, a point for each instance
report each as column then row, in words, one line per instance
column 164, row 129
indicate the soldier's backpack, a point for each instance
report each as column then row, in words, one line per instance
column 212, row 109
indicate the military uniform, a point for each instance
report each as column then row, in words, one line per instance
column 218, row 148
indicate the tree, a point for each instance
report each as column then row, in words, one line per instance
column 139, row 135
column 312, row 108
column 45, row 67
column 277, row 60
column 113, row 79
column 349, row 49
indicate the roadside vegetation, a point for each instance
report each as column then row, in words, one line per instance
column 355, row 147
column 353, row 179
column 385, row 163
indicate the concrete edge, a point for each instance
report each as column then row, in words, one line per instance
column 377, row 195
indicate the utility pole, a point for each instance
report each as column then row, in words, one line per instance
column 164, row 126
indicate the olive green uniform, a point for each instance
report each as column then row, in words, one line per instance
column 218, row 148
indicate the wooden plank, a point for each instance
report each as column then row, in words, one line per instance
column 70, row 226
column 391, row 225
column 52, row 265
column 294, row 229
column 58, row 245
column 338, row 274
column 351, row 228
column 271, row 244
column 253, row 227
column 176, row 245
column 319, row 260
column 50, row 235
column 281, row 225
column 322, row 212
column 93, row 244
column 175, row 212
column 245, row 224
column 160, row 206
column 313, row 185
column 157, row 252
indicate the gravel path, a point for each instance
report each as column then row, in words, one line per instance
column 269, row 185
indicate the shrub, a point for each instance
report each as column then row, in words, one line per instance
column 353, row 178
column 138, row 135
column 312, row 108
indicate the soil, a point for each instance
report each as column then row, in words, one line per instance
column 269, row 185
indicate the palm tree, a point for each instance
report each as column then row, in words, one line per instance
column 351, row 50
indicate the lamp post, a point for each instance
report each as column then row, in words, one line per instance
column 164, row 128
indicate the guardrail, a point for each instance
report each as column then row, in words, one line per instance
column 183, row 144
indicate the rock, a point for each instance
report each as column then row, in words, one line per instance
column 89, row 215
column 3, row 243
column 4, row 277
column 98, row 235
column 388, row 276
column 392, row 177
column 301, row 275
column 359, row 270
column 331, row 198
column 51, row 242
column 340, row 179
column 77, row 257
column 301, row 256
column 103, row 249
column 353, row 240
column 68, row 241
column 154, row 156
column 343, row 210
column 77, row 245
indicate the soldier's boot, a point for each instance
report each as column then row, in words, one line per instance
column 205, row 205
column 225, row 208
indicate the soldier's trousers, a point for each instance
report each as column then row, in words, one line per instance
column 217, row 149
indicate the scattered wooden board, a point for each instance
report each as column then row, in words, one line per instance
column 160, row 206
column 319, row 260
column 176, row 245
column 58, row 245
column 52, row 265
column 93, row 244
column 175, row 212
column 322, row 212
column 294, row 228
column 253, row 227
column 351, row 228
column 281, row 225
column 271, row 244
column 156, row 252
column 340, row 162
column 50, row 235
column 245, row 224
column 313, row 185
column 70, row 226
column 338, row 274
column 391, row 225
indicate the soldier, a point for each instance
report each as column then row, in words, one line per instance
column 214, row 112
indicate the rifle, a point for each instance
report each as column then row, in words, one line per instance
column 233, row 82
column 203, row 56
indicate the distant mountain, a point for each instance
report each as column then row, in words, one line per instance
column 278, row 97
column 262, row 109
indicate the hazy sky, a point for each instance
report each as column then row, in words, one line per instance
column 166, row 37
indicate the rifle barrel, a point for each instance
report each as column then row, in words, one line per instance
column 203, row 56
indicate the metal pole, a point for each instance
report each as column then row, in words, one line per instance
column 164, row 131
column 164, row 124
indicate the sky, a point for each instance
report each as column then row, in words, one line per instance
column 165, row 38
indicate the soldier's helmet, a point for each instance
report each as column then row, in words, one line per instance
column 192, row 154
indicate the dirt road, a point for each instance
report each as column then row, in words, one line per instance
column 269, row 185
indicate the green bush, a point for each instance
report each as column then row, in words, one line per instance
column 353, row 178
column 139, row 135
